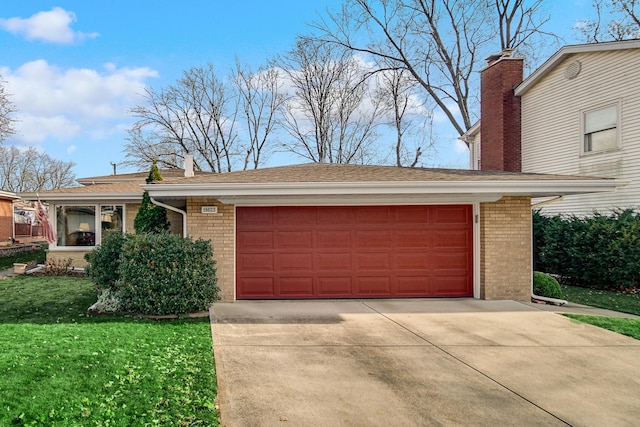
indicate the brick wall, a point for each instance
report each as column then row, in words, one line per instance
column 219, row 228
column 500, row 116
column 505, row 249
column 6, row 220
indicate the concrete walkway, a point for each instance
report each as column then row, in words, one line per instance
column 419, row 363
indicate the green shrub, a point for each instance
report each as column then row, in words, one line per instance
column 546, row 286
column 104, row 261
column 601, row 251
column 166, row 274
column 150, row 218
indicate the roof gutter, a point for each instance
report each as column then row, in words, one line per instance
column 174, row 209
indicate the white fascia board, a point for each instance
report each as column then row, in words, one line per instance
column 534, row 188
column 83, row 197
column 561, row 54
column 8, row 195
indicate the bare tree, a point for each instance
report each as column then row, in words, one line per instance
column 6, row 110
column 409, row 119
column 328, row 114
column 261, row 101
column 31, row 170
column 197, row 115
column 615, row 20
column 441, row 43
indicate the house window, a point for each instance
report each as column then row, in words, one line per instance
column 601, row 129
column 86, row 225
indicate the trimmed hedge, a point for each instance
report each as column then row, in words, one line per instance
column 156, row 273
column 601, row 251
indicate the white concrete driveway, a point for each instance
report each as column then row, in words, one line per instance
column 419, row 363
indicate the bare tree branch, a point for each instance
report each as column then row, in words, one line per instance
column 31, row 170
column 328, row 115
column 6, row 110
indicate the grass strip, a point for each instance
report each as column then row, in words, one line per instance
column 625, row 303
column 621, row 325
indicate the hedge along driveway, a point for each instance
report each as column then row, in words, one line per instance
column 60, row 367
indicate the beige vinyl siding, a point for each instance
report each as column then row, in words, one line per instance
column 552, row 127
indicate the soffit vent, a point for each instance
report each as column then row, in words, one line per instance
column 572, row 70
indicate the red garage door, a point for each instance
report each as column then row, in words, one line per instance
column 354, row 252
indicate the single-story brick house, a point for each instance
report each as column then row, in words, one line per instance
column 334, row 231
column 6, row 216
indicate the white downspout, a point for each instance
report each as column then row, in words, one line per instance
column 174, row 209
column 555, row 301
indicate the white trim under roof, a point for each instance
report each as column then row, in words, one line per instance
column 84, row 197
column 426, row 191
column 7, row 195
column 560, row 55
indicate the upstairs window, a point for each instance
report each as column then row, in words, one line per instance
column 600, row 129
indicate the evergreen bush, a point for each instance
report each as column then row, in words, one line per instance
column 104, row 261
column 601, row 251
column 166, row 274
column 546, row 286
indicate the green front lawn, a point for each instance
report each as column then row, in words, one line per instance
column 626, row 303
column 624, row 326
column 60, row 367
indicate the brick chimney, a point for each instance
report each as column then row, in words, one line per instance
column 500, row 148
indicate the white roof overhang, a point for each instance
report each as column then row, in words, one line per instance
column 379, row 192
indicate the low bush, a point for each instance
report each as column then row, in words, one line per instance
column 155, row 273
column 546, row 286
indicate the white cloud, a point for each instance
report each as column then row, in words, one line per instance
column 71, row 149
column 53, row 26
column 64, row 103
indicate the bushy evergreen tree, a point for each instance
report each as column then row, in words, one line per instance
column 151, row 218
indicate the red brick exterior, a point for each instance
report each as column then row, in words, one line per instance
column 500, row 116
column 6, row 220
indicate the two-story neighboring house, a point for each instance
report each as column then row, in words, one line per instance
column 579, row 115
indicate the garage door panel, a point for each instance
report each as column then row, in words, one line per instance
column 451, row 261
column 404, row 239
column 367, row 239
column 256, row 262
column 295, row 239
column 296, row 287
column 412, row 260
column 335, row 261
column 338, row 239
column 451, row 239
column 451, row 215
column 372, row 216
column 288, row 261
column 413, row 215
column 334, row 287
column 332, row 216
column 294, row 217
column 257, row 286
column 354, row 251
column 373, row 286
column 255, row 217
column 450, row 284
column 256, row 239
column 373, row 261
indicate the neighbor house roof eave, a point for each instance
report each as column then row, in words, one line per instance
column 566, row 51
column 81, row 197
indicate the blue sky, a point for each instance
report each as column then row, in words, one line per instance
column 75, row 67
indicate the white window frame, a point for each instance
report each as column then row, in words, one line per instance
column 584, row 134
column 97, row 223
